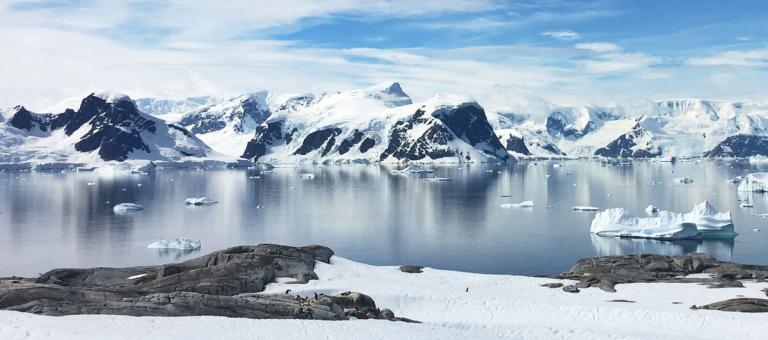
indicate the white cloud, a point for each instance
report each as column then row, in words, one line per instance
column 620, row 62
column 562, row 35
column 599, row 47
column 755, row 57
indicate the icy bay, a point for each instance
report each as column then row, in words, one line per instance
column 370, row 214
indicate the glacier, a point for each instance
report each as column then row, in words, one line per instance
column 703, row 221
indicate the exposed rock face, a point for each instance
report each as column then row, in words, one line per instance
column 113, row 126
column 517, row 145
column 266, row 136
column 241, row 114
column 222, row 283
column 740, row 146
column 633, row 144
column 411, row 269
column 744, row 305
column 607, row 271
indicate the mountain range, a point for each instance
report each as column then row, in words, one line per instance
column 380, row 124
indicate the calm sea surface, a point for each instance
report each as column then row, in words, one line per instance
column 367, row 214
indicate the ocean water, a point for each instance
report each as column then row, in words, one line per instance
column 367, row 214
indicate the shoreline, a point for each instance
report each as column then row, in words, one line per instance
column 459, row 305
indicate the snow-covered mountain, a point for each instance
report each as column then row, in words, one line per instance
column 685, row 127
column 378, row 124
column 105, row 127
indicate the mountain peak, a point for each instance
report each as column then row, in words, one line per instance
column 111, row 96
column 391, row 92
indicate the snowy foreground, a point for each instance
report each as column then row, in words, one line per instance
column 496, row 306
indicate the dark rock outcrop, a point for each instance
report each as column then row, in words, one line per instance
column 744, row 305
column 411, row 269
column 626, row 146
column 223, row 283
column 607, row 271
column 740, row 146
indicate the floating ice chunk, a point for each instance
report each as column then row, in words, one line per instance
column 755, row 182
column 199, row 201
column 620, row 223
column 756, row 229
column 736, row 180
column 704, row 221
column 125, row 208
column 685, row 180
column 90, row 184
column 556, row 165
column 747, row 205
column 710, row 222
column 400, row 172
column 585, row 208
column 652, row 211
column 525, row 204
column 307, row 176
column 179, row 243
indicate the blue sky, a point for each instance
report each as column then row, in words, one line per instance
column 504, row 53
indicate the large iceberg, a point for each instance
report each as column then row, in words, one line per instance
column 755, row 182
column 179, row 243
column 704, row 221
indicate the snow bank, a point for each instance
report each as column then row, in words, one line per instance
column 179, row 243
column 525, row 204
column 124, row 208
column 754, row 182
column 199, row 201
column 704, row 221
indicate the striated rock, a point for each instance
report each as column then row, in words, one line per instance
column 552, row 285
column 571, row 289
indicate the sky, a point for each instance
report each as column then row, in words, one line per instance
column 506, row 54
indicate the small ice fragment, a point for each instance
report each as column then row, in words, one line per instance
column 307, row 176
column 254, row 177
column 179, row 243
column 756, row 229
column 139, row 185
column 135, row 277
column 90, row 184
column 525, row 204
column 124, row 208
column 747, row 205
column 585, row 208
column 685, row 180
column 199, row 201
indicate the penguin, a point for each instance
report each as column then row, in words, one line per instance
column 467, row 291
column 316, row 296
column 287, row 291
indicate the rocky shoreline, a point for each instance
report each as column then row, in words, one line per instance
column 223, row 283
column 229, row 283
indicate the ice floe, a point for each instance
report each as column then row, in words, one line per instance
column 525, row 204
column 685, row 180
column 179, row 243
column 754, row 182
column 307, row 176
column 704, row 221
column 124, row 208
column 199, row 201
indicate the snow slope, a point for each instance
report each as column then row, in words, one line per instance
column 496, row 307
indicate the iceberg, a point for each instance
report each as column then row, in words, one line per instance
column 199, row 201
column 651, row 210
column 125, row 208
column 703, row 222
column 525, row 204
column 585, row 208
column 754, row 182
column 685, row 180
column 307, row 176
column 179, row 243
column 618, row 222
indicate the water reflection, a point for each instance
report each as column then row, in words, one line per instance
column 721, row 249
